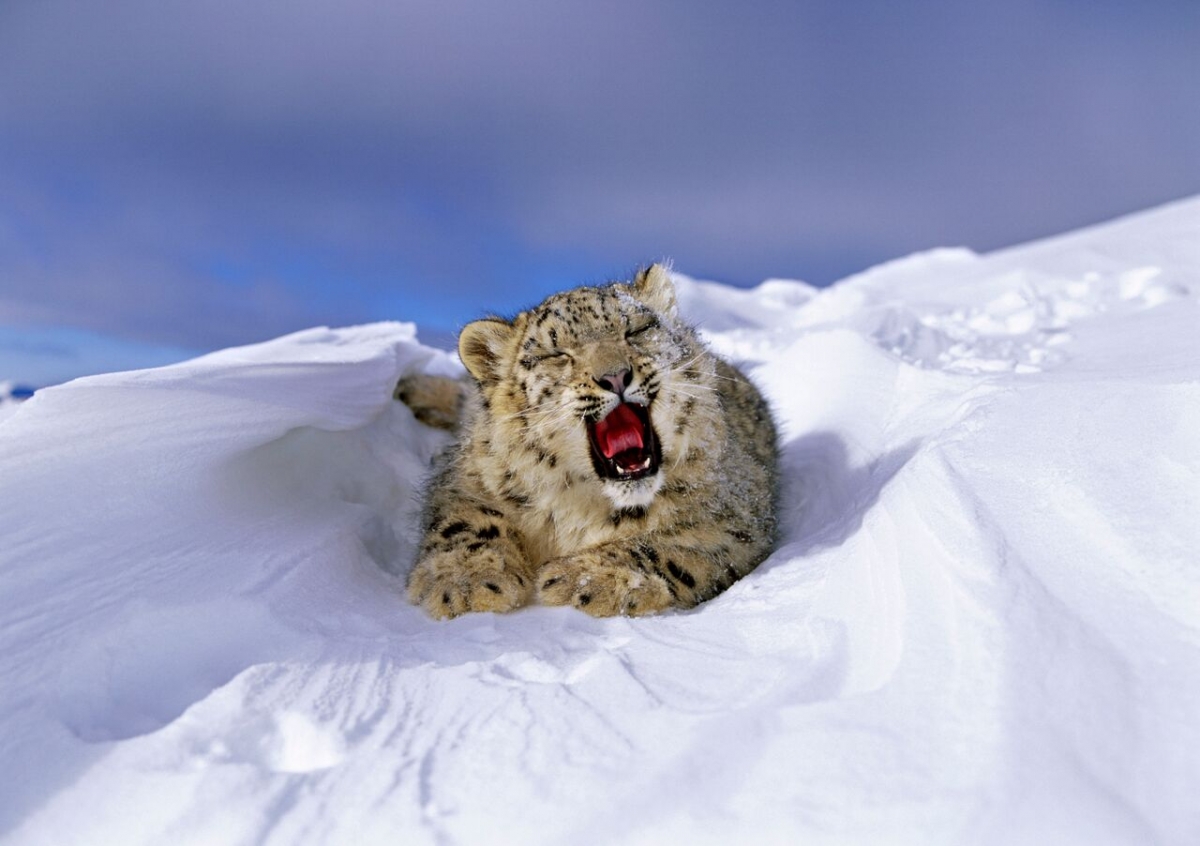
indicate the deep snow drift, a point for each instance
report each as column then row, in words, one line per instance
column 982, row 626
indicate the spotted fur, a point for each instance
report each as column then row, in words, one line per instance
column 518, row 510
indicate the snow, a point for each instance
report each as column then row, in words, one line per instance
column 982, row 624
column 11, row 396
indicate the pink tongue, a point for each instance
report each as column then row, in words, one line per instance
column 619, row 431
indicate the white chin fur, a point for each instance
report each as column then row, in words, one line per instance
column 637, row 494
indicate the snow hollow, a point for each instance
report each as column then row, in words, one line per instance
column 982, row 625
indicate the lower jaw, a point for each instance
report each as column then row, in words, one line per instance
column 634, row 493
column 633, row 476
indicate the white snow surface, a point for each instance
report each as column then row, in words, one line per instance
column 982, row 624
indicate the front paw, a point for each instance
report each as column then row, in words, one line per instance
column 601, row 587
column 447, row 584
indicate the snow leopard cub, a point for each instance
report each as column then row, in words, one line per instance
column 607, row 460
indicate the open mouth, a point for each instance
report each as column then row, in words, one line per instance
column 624, row 446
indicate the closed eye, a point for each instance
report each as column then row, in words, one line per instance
column 532, row 359
column 639, row 329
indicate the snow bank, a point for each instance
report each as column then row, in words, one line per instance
column 982, row 625
column 12, row 395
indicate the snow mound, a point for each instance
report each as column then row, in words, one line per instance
column 12, row 395
column 982, row 624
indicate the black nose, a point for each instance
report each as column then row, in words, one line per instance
column 616, row 382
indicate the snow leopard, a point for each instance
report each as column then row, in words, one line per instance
column 606, row 459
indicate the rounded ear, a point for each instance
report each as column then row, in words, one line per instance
column 654, row 287
column 481, row 347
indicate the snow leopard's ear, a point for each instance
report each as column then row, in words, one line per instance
column 654, row 287
column 481, row 346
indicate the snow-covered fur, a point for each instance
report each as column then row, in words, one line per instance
column 530, row 500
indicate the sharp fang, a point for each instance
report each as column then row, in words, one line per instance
column 640, row 466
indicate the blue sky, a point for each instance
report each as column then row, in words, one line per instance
column 184, row 176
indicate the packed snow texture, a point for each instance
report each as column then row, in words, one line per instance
column 982, row 624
